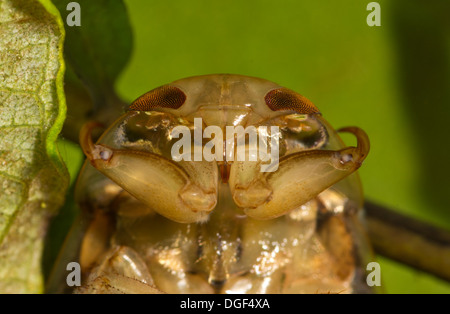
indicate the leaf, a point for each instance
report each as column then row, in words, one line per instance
column 96, row 52
column 99, row 49
column 33, row 179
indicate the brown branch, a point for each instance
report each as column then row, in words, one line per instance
column 409, row 241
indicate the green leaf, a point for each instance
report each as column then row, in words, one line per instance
column 33, row 179
column 96, row 53
column 99, row 49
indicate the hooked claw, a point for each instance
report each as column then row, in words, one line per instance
column 300, row 177
column 182, row 191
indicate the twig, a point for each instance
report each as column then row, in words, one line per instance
column 409, row 241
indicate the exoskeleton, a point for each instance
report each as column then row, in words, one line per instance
column 253, row 222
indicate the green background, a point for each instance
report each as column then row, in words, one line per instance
column 392, row 81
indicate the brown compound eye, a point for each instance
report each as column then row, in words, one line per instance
column 161, row 97
column 286, row 99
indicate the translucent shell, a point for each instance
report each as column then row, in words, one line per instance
column 222, row 225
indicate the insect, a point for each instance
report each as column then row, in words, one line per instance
column 191, row 225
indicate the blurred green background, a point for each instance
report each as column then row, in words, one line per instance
column 392, row 81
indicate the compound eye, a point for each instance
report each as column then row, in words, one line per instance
column 162, row 97
column 286, row 99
